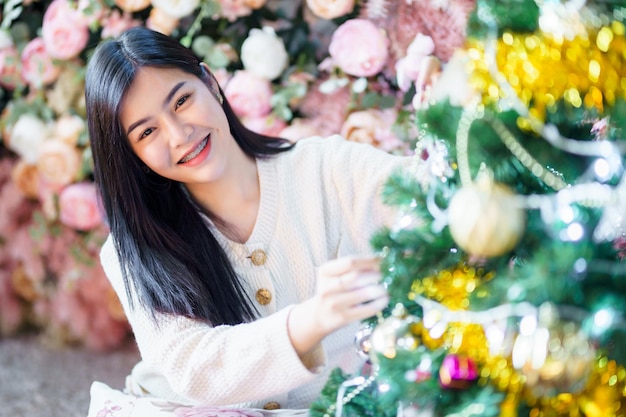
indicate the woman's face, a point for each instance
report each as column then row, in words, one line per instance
column 176, row 126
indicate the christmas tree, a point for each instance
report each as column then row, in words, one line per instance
column 505, row 266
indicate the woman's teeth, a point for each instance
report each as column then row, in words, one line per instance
column 195, row 152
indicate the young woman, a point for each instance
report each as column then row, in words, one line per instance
column 242, row 261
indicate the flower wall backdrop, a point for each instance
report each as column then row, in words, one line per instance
column 288, row 67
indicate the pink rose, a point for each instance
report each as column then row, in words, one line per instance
column 116, row 23
column 330, row 9
column 64, row 30
column 234, row 9
column 249, row 95
column 408, row 67
column 299, row 129
column 265, row 125
column 222, row 76
column 37, row 66
column 359, row 48
column 79, row 207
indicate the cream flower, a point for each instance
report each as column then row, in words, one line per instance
column 263, row 53
column 330, row 9
column 26, row 178
column 131, row 6
column 255, row 4
column 161, row 21
column 58, row 163
column 68, row 92
column 373, row 127
column 177, row 8
column 27, row 135
column 68, row 128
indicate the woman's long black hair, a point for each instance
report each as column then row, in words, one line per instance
column 167, row 252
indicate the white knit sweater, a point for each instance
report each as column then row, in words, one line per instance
column 319, row 201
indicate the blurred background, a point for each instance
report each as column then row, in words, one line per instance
column 292, row 68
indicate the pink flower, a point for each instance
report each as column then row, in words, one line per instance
column 600, row 129
column 79, row 207
column 619, row 245
column 330, row 9
column 211, row 411
column 10, row 76
column 234, row 9
column 249, row 95
column 326, row 112
column 265, row 125
column 79, row 309
column 355, row 56
column 408, row 68
column 37, row 66
column 222, row 76
column 116, row 23
column 64, row 30
column 299, row 129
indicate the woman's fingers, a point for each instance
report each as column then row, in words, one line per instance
column 353, row 280
column 349, row 289
column 347, row 264
column 359, row 303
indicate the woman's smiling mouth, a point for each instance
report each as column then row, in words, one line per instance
column 198, row 151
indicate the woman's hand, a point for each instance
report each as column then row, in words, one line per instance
column 348, row 289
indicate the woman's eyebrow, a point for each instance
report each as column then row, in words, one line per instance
column 167, row 99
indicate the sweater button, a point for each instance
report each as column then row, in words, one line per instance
column 272, row 405
column 263, row 296
column 258, row 257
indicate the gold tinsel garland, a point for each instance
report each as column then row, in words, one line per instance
column 542, row 69
column 604, row 394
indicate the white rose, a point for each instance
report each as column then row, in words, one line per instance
column 68, row 128
column 26, row 137
column 177, row 8
column 263, row 53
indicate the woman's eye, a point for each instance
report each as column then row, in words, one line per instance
column 181, row 100
column 145, row 133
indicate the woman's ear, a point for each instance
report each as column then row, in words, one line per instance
column 212, row 83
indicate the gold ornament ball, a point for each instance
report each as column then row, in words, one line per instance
column 393, row 334
column 556, row 357
column 485, row 220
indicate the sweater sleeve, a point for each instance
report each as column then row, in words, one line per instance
column 359, row 173
column 222, row 365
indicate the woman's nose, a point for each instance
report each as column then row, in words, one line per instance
column 178, row 132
